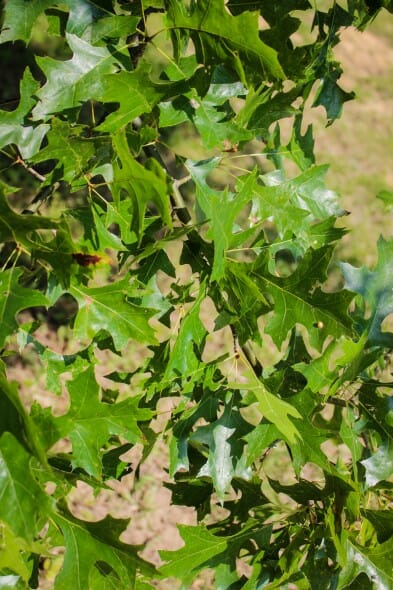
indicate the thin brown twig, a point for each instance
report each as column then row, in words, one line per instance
column 29, row 169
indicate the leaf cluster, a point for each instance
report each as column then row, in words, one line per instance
column 151, row 211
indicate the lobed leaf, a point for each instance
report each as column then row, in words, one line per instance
column 109, row 308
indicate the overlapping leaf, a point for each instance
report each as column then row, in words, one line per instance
column 97, row 546
column 20, row 18
column 18, row 228
column 185, row 356
column 295, row 203
column 379, row 466
column 214, row 31
column 276, row 410
column 109, row 308
column 67, row 145
column 24, row 506
column 221, row 210
column 376, row 288
column 298, row 300
column 14, row 297
column 89, row 422
column 134, row 91
column 199, row 550
column 225, row 447
column 142, row 184
column 374, row 562
column 27, row 137
column 70, row 83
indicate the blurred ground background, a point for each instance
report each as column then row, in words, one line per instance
column 359, row 148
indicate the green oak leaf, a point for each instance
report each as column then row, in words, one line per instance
column 350, row 437
column 199, row 549
column 206, row 410
column 311, row 437
column 259, row 440
column 96, row 545
column 297, row 300
column 67, row 145
column 15, row 419
column 109, row 308
column 382, row 521
column 89, row 423
column 94, row 220
column 13, row 129
column 142, row 184
column 214, row 118
column 379, row 466
column 276, row 410
column 221, row 209
column 13, row 553
column 70, row 83
column 220, row 37
column 225, row 457
column 24, row 507
column 324, row 372
column 246, row 303
column 57, row 364
column 83, row 15
column 19, row 18
column 331, row 96
column 295, row 201
column 376, row 288
column 18, row 228
column 375, row 562
column 113, row 27
column 185, row 356
column 135, row 93
column 13, row 298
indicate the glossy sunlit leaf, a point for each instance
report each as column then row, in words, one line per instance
column 274, row 409
column 20, row 18
column 375, row 562
column 219, row 36
column 225, row 458
column 113, row 27
column 379, row 466
column 134, row 91
column 376, row 288
column 323, row 373
column 28, row 138
column 142, row 184
column 11, row 556
column 24, row 506
column 89, row 423
column 297, row 300
column 185, row 356
column 109, row 308
column 221, row 210
column 213, row 117
column 96, row 545
column 199, row 549
column 295, row 200
column 70, row 83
